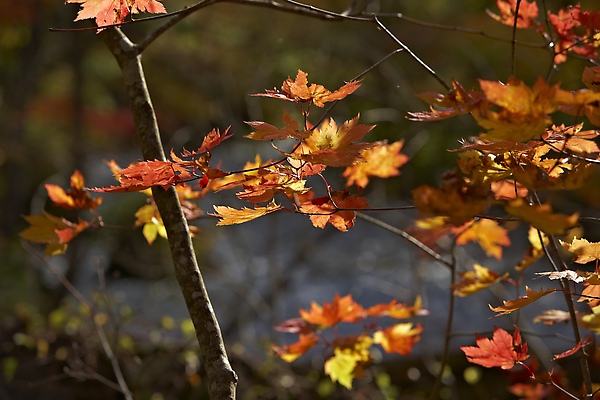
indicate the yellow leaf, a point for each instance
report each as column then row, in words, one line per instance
column 542, row 217
column 490, row 236
column 474, row 281
column 349, row 357
column 232, row 216
column 536, row 249
column 584, row 251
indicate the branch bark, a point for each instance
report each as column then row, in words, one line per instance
column 222, row 379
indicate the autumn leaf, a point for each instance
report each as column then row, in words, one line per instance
column 503, row 350
column 341, row 215
column 583, row 250
column 581, row 344
column 528, row 12
column 474, row 281
column 536, row 248
column 265, row 131
column 592, row 320
column 211, row 140
column 382, row 160
column 109, row 12
column 542, row 217
column 76, row 198
column 591, row 78
column 292, row 351
column 516, row 304
column 341, row 309
column 55, row 232
column 333, row 146
column 233, row 216
column 347, row 362
column 591, row 294
column 456, row 199
column 149, row 218
column 300, row 91
column 398, row 338
column 523, row 112
column 551, row 317
column 490, row 236
column 145, row 174
column 396, row 310
column 456, row 102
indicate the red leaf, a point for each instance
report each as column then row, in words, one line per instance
column 503, row 350
column 109, row 12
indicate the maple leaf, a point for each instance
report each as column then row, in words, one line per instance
column 341, row 214
column 110, row 12
column 75, row 198
column 145, row 174
column 523, row 111
column 542, row 217
column 503, row 350
column 397, row 310
column 591, row 294
column 592, row 321
column 580, row 102
column 347, row 362
column 583, row 250
column 149, row 217
column 537, row 241
column 334, row 147
column 456, row 102
column 398, row 338
column 233, row 216
column 508, row 189
column 265, row 131
column 55, row 232
column 456, row 199
column 591, row 78
column 341, row 309
column 490, row 236
column 474, row 281
column 382, row 160
column 211, row 140
column 299, row 91
column 567, row 24
column 516, row 304
column 292, row 351
column 528, row 12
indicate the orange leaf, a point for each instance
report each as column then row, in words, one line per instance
column 341, row 309
column 591, row 78
column 528, row 12
column 232, row 216
column 474, row 281
column 382, row 160
column 456, row 199
column 514, row 305
column 290, row 352
column 490, row 236
column 145, row 174
column 108, row 12
column 322, row 211
column 399, row 338
column 76, row 198
column 457, row 102
column 503, row 350
column 299, row 91
column 542, row 217
column 265, row 131
column 582, row 343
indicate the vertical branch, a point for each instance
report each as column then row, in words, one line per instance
column 513, row 42
column 222, row 379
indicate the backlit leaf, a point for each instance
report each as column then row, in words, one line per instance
column 341, row 309
column 583, row 250
column 490, row 236
column 528, row 12
column 474, row 281
column 76, row 198
column 233, row 216
column 341, row 214
column 503, row 350
column 292, row 351
column 542, row 217
column 382, row 160
column 108, row 12
column 399, row 338
column 347, row 362
column 516, row 304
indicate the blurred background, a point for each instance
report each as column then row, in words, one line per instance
column 62, row 107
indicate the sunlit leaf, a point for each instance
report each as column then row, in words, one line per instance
column 474, row 281
column 382, row 160
column 516, row 304
column 399, row 338
column 503, row 350
column 542, row 217
column 233, row 216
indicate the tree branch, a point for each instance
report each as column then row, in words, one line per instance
column 222, row 380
